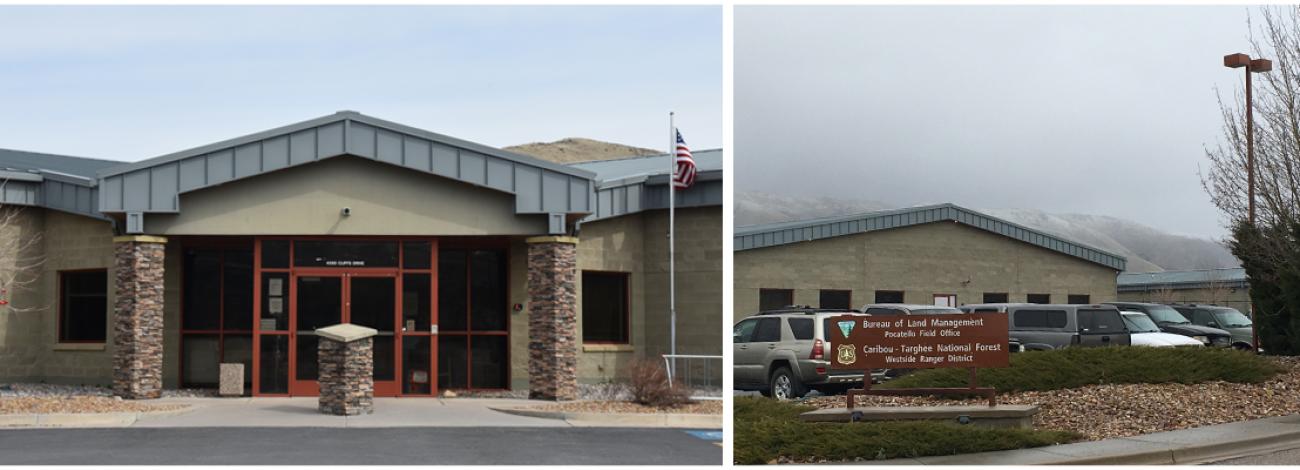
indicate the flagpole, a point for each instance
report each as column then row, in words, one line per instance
column 672, row 272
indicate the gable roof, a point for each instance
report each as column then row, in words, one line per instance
column 630, row 185
column 769, row 235
column 154, row 185
column 1189, row 279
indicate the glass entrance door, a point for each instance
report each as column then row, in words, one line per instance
column 368, row 300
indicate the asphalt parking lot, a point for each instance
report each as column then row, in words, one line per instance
column 357, row 446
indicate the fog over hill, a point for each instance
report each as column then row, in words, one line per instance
column 1147, row 248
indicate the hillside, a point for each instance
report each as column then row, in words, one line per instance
column 577, row 149
column 1147, row 249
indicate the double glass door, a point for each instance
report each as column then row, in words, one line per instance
column 326, row 298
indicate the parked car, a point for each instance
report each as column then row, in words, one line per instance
column 1171, row 321
column 1145, row 332
column 1048, row 326
column 1229, row 319
column 784, row 353
column 907, row 309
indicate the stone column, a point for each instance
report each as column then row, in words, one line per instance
column 552, row 318
column 346, row 369
column 138, row 316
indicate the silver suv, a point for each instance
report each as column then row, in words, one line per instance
column 1043, row 326
column 784, row 353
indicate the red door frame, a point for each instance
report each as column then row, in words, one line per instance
column 305, row 388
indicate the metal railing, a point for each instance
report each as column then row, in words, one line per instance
column 701, row 373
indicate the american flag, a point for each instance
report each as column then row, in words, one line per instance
column 684, row 177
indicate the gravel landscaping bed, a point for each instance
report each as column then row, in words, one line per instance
column 1106, row 411
column 30, row 398
column 53, row 390
column 704, row 407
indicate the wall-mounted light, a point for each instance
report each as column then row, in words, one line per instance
column 347, row 211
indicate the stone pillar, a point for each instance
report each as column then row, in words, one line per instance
column 346, row 364
column 138, row 316
column 552, row 318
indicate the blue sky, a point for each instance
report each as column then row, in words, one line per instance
column 129, row 83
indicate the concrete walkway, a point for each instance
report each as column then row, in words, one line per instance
column 389, row 412
column 1188, row 446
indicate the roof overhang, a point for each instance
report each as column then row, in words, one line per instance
column 769, row 235
column 155, row 185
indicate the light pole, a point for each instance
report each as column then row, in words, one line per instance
column 1240, row 60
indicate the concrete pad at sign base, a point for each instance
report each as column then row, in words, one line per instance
column 1020, row 416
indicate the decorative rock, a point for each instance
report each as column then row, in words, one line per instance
column 346, row 370
column 232, row 380
column 552, row 318
column 138, row 316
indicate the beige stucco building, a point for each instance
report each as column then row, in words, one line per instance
column 481, row 269
column 941, row 254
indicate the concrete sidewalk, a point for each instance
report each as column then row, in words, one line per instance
column 1188, row 446
column 389, row 412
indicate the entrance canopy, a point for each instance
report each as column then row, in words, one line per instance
column 563, row 193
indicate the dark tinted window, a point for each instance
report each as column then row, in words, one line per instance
column 1100, row 321
column 1039, row 298
column 453, row 274
column 487, row 279
column 275, row 253
column 801, row 328
column 237, row 290
column 836, row 299
column 604, row 307
column 773, row 299
column 1039, row 319
column 1078, row 299
column 415, row 255
column 365, row 254
column 767, row 331
column 202, row 292
column 995, row 298
column 84, row 308
column 889, row 297
column 883, row 311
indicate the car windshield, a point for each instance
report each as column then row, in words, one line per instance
column 1231, row 318
column 1163, row 314
column 935, row 311
column 1139, row 323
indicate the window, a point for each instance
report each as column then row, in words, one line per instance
column 744, row 331
column 801, row 328
column 83, row 307
column 945, row 300
column 1078, row 299
column 883, row 311
column 1101, row 321
column 1039, row 319
column 996, row 298
column 773, row 299
column 1040, row 298
column 217, row 312
column 836, row 299
column 605, row 316
column 473, row 317
column 767, row 331
column 889, row 296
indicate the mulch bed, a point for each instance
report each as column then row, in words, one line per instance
column 1107, row 411
column 707, row 407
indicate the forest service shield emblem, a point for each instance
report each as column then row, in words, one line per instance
column 845, row 355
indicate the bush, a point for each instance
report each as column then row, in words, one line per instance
column 766, row 430
column 648, row 382
column 1077, row 367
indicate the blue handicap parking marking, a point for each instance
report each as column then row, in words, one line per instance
column 707, row 435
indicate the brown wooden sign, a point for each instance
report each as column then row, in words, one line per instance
column 919, row 341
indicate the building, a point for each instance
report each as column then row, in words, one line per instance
column 482, row 269
column 941, row 254
column 1227, row 287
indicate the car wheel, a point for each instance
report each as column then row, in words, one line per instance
column 784, row 385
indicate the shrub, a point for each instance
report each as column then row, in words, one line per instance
column 648, row 382
column 1078, row 367
column 766, row 430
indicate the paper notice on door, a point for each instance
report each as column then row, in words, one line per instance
column 420, row 377
column 275, row 286
column 275, row 305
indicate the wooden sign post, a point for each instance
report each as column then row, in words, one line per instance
column 969, row 341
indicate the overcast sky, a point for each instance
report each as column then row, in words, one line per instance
column 129, row 83
column 1098, row 110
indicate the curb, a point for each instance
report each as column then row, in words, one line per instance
column 662, row 420
column 84, row 420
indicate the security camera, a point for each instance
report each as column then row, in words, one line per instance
column 347, row 211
